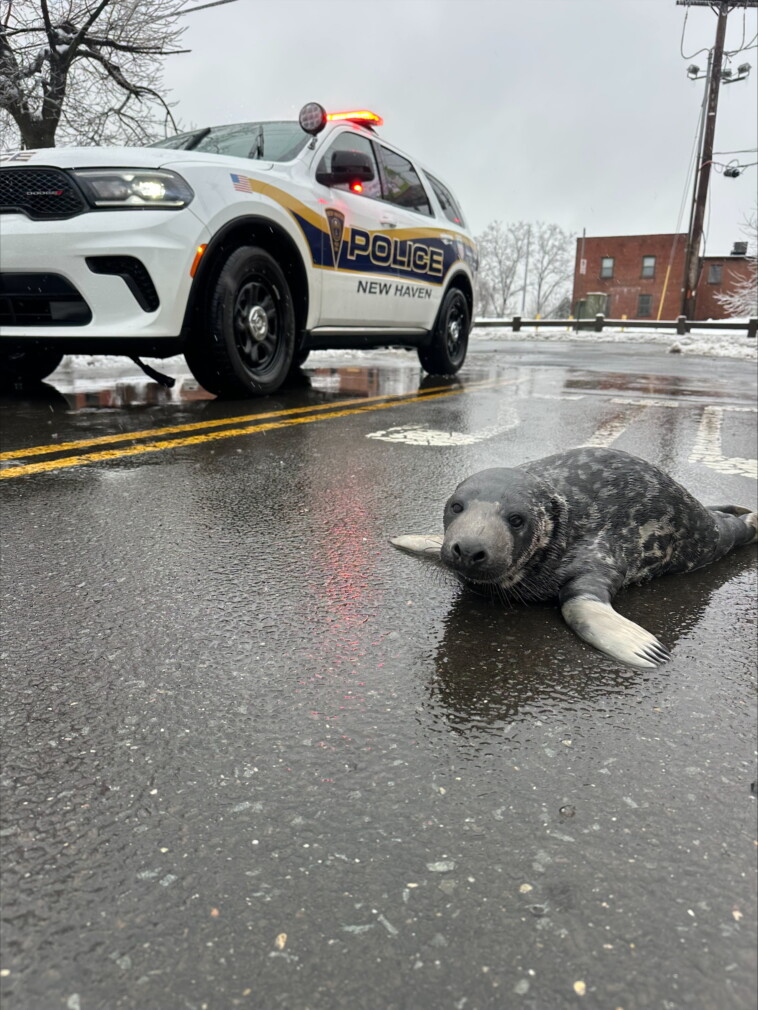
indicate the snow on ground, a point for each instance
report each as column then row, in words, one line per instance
column 709, row 343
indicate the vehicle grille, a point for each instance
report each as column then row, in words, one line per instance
column 41, row 300
column 40, row 193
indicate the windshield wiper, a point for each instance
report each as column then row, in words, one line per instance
column 256, row 151
column 200, row 135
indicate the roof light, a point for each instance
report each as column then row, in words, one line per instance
column 312, row 118
column 361, row 116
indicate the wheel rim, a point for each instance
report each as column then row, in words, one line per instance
column 455, row 330
column 259, row 325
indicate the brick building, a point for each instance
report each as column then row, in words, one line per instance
column 640, row 277
column 718, row 276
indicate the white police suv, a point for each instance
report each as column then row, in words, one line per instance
column 244, row 247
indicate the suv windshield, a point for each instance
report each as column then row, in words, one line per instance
column 273, row 141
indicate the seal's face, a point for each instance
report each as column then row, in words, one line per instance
column 494, row 523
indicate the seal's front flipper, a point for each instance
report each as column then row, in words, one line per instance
column 598, row 623
column 428, row 545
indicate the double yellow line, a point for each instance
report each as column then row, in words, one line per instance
column 246, row 424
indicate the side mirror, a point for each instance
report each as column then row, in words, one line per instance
column 347, row 167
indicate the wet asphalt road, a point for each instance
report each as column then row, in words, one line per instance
column 253, row 757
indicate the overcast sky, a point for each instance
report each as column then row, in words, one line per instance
column 577, row 112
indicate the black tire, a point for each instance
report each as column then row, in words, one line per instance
column 20, row 365
column 248, row 342
column 447, row 351
column 300, row 358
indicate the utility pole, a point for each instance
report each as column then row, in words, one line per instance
column 526, row 267
column 705, row 158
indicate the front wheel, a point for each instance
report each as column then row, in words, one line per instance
column 249, row 343
column 19, row 365
column 447, row 351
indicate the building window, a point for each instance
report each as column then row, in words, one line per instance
column 606, row 267
column 644, row 306
column 715, row 270
column 648, row 266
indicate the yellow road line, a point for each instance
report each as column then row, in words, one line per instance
column 126, row 436
column 137, row 450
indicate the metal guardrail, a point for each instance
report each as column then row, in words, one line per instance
column 682, row 325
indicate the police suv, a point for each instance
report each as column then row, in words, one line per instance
column 243, row 247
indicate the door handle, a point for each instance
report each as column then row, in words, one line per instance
column 388, row 222
column 447, row 239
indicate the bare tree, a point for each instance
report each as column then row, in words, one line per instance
column 551, row 267
column 502, row 249
column 86, row 71
column 742, row 297
column 539, row 255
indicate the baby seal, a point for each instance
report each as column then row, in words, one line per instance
column 579, row 526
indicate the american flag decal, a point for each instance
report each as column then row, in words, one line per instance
column 241, row 183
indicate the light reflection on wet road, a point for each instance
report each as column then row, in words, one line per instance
column 232, row 714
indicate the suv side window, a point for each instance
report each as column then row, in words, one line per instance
column 402, row 185
column 450, row 208
column 353, row 142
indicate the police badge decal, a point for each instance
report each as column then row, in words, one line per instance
column 336, row 221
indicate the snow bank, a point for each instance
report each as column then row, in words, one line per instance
column 709, row 343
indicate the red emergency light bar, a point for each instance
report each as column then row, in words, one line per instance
column 361, row 116
column 314, row 117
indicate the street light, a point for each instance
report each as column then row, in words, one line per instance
column 693, row 72
column 727, row 76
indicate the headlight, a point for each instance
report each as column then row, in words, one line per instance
column 134, row 188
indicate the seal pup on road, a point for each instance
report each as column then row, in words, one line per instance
column 579, row 526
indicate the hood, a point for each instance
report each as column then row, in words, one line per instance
column 124, row 157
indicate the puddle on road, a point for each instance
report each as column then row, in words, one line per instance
column 106, row 389
column 107, row 386
column 647, row 384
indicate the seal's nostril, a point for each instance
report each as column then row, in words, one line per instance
column 467, row 551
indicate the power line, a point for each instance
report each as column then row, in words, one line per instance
column 722, row 8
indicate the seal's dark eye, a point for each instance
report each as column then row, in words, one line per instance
column 515, row 520
column 456, row 506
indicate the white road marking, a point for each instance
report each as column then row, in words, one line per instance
column 611, row 430
column 680, row 403
column 419, row 434
column 708, row 449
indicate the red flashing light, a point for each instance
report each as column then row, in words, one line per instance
column 361, row 116
column 357, row 187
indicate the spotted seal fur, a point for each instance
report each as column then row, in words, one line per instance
column 579, row 526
